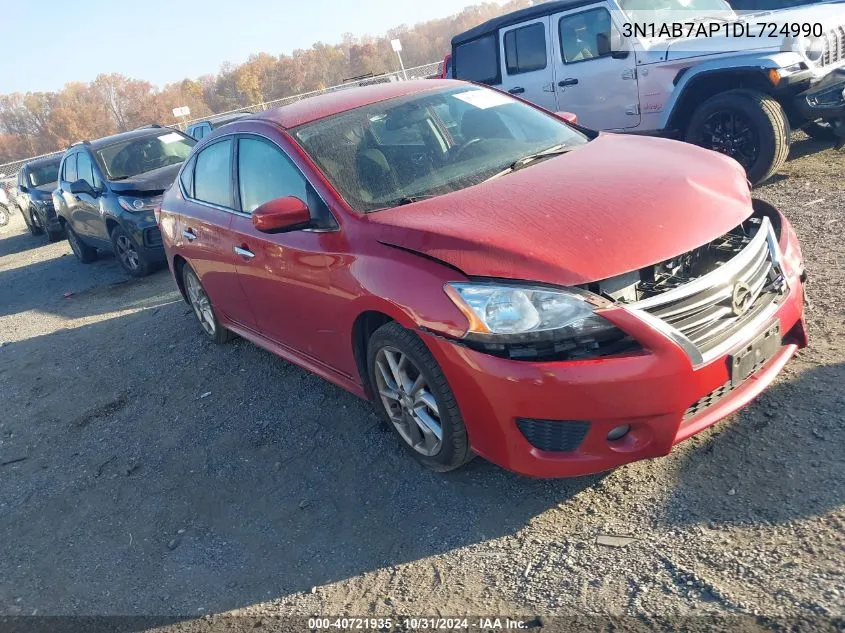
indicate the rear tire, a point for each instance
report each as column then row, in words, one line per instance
column 84, row 253
column 203, row 310
column 747, row 125
column 4, row 216
column 412, row 395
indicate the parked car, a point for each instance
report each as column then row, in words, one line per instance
column 736, row 95
column 108, row 188
column 36, row 181
column 203, row 128
column 514, row 289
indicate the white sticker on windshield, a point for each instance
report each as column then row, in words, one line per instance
column 167, row 139
column 483, row 98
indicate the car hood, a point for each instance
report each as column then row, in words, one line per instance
column 43, row 192
column 150, row 183
column 617, row 204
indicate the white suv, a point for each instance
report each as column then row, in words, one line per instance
column 611, row 63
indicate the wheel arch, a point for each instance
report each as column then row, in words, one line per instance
column 178, row 265
column 696, row 86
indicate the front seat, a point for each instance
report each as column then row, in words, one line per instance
column 375, row 177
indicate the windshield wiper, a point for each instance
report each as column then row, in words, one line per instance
column 518, row 164
column 409, row 199
column 704, row 18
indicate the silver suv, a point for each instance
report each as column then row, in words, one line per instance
column 691, row 69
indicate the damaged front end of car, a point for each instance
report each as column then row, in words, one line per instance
column 825, row 101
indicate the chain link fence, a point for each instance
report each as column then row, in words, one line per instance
column 9, row 171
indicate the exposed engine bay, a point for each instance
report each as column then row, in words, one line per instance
column 681, row 270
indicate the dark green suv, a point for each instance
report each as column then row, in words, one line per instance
column 107, row 190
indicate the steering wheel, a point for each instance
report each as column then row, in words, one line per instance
column 463, row 148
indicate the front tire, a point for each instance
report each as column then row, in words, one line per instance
column 201, row 304
column 412, row 395
column 84, row 253
column 4, row 216
column 747, row 125
column 32, row 222
column 129, row 254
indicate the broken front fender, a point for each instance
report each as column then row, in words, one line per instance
column 826, row 100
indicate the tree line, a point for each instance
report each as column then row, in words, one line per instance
column 40, row 122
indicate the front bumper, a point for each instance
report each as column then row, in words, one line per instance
column 659, row 393
column 147, row 235
column 825, row 100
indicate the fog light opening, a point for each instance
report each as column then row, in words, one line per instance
column 618, row 432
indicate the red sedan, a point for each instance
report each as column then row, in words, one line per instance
column 497, row 280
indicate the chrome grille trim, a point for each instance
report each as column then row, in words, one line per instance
column 697, row 322
column 834, row 47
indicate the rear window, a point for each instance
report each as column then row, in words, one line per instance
column 477, row 60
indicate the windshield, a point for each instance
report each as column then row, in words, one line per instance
column 680, row 11
column 135, row 156
column 427, row 144
column 43, row 174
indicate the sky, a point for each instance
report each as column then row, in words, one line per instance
column 46, row 44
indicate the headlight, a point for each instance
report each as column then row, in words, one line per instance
column 811, row 47
column 137, row 204
column 535, row 323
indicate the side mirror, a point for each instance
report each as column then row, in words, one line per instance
column 569, row 117
column 23, row 188
column 280, row 215
column 618, row 49
column 82, row 186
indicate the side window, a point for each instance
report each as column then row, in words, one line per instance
column 84, row 168
column 525, row 49
column 477, row 60
column 586, row 35
column 187, row 177
column 265, row 173
column 70, row 168
column 213, row 174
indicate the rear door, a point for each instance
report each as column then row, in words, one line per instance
column 66, row 178
column 527, row 63
column 87, row 207
column 597, row 85
column 202, row 235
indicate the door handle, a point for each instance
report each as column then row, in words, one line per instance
column 569, row 81
column 189, row 235
column 244, row 252
column 518, row 90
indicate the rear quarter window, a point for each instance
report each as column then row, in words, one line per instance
column 478, row 60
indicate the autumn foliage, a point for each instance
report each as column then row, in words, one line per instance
column 40, row 122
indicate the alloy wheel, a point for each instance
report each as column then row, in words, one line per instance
column 126, row 252
column 732, row 133
column 4, row 217
column 409, row 401
column 200, row 303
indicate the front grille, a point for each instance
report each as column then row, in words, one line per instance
column 557, row 436
column 708, row 310
column 834, row 49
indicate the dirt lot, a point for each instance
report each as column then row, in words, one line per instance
column 147, row 471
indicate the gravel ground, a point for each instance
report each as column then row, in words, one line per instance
column 148, row 471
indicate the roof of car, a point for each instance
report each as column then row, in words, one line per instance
column 537, row 11
column 125, row 136
column 227, row 118
column 331, row 103
column 40, row 162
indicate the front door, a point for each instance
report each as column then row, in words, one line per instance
column 593, row 80
column 286, row 275
column 527, row 66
